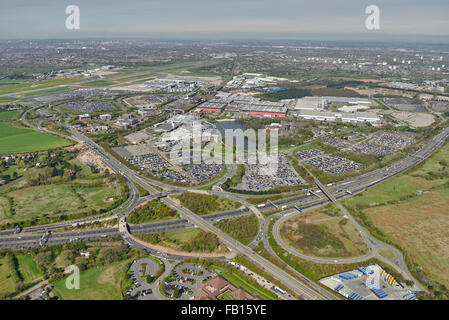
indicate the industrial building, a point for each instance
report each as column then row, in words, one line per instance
column 269, row 111
column 253, row 80
column 353, row 108
column 244, row 104
column 212, row 105
column 84, row 117
column 355, row 117
column 172, row 85
column 105, row 116
column 311, row 103
column 369, row 283
column 316, row 103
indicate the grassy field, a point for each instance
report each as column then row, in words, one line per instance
column 28, row 268
column 190, row 240
column 12, row 278
column 36, row 85
column 311, row 235
column 53, row 199
column 101, row 283
column 7, row 99
column 386, row 253
column 99, row 83
column 7, row 283
column 46, row 91
column 412, row 212
column 31, row 201
column 421, row 227
column 19, row 140
column 433, row 173
column 8, row 115
column 183, row 235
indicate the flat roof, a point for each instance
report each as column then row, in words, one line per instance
column 259, row 108
column 350, row 115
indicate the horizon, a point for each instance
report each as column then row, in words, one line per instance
column 287, row 38
column 418, row 21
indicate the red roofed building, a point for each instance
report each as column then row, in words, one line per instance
column 217, row 286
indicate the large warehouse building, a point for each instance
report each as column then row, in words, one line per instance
column 211, row 106
column 318, row 103
column 244, row 104
column 355, row 117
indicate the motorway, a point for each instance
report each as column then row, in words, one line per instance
column 337, row 191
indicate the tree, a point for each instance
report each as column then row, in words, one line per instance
column 176, row 293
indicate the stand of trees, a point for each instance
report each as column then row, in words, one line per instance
column 243, row 229
column 153, row 210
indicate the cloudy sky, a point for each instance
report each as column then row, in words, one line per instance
column 226, row 18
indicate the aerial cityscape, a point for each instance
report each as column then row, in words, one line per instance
column 251, row 168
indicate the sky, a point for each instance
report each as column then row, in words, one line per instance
column 339, row 19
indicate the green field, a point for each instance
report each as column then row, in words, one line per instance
column 7, row 282
column 8, row 115
column 190, row 240
column 99, row 83
column 47, row 91
column 7, row 99
column 20, row 140
column 54, row 199
column 17, row 274
column 100, row 283
column 36, row 85
column 28, row 268
column 433, row 173
column 40, row 196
